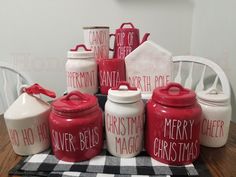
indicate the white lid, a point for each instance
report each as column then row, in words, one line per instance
column 124, row 93
column 26, row 106
column 213, row 96
column 75, row 53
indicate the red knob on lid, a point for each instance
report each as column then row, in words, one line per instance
column 83, row 53
column 174, row 95
column 37, row 89
column 74, row 102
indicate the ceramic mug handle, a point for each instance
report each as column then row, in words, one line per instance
column 110, row 39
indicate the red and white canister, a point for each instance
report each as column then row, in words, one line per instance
column 27, row 121
column 124, row 120
column 76, row 127
column 173, row 120
column 81, row 70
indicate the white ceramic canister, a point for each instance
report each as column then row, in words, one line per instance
column 27, row 121
column 216, row 118
column 81, row 70
column 124, row 120
column 97, row 38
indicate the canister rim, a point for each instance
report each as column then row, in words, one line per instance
column 80, row 54
column 218, row 98
column 96, row 27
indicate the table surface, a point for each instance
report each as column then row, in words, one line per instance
column 221, row 162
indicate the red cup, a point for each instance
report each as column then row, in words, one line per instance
column 126, row 40
column 111, row 72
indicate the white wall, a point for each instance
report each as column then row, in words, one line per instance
column 36, row 34
column 214, row 36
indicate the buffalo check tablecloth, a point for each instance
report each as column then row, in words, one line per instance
column 103, row 165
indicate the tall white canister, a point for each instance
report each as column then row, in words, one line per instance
column 27, row 121
column 124, row 120
column 216, row 118
column 81, row 70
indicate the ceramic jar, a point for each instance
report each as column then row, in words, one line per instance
column 111, row 72
column 27, row 121
column 81, row 70
column 76, row 127
column 97, row 39
column 215, row 123
column 172, row 125
column 126, row 40
column 124, row 120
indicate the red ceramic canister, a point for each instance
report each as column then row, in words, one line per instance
column 173, row 125
column 111, row 72
column 126, row 40
column 76, row 127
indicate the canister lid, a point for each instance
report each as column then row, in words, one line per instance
column 26, row 106
column 213, row 96
column 173, row 94
column 75, row 53
column 74, row 102
column 124, row 93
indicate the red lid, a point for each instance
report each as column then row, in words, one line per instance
column 74, row 102
column 175, row 95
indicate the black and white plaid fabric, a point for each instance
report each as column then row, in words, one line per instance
column 103, row 165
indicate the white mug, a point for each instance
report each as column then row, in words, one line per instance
column 97, row 39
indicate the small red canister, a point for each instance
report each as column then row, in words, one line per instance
column 76, row 127
column 173, row 125
column 126, row 40
column 111, row 72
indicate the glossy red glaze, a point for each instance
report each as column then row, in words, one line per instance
column 174, row 95
column 76, row 127
column 172, row 132
column 37, row 89
column 126, row 40
column 75, row 102
column 111, row 72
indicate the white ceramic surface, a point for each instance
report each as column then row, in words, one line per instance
column 148, row 67
column 27, row 123
column 124, row 124
column 81, row 73
column 216, row 118
column 97, row 39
